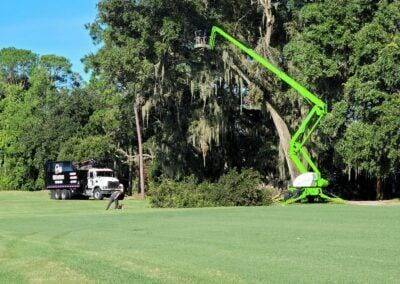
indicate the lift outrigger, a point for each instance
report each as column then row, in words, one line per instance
column 308, row 185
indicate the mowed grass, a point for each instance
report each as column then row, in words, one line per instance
column 43, row 240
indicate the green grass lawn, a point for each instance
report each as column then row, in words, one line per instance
column 43, row 240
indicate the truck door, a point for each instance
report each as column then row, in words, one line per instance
column 90, row 179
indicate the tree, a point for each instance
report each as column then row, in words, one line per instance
column 159, row 36
column 60, row 70
column 36, row 119
column 351, row 51
column 120, row 59
column 16, row 65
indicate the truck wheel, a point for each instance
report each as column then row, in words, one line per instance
column 57, row 194
column 65, row 194
column 52, row 193
column 97, row 194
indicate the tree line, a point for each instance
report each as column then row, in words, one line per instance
column 156, row 108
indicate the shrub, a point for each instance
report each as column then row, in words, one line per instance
column 169, row 193
column 240, row 189
column 233, row 189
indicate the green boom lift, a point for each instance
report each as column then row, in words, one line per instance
column 308, row 185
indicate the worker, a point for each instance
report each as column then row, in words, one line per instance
column 115, row 197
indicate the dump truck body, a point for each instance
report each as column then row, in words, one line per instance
column 65, row 179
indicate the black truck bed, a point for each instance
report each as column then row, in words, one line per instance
column 62, row 175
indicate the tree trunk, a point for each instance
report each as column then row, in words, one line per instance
column 269, row 20
column 280, row 124
column 130, row 175
column 284, row 139
column 140, row 148
column 379, row 193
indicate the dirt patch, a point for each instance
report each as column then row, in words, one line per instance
column 375, row 202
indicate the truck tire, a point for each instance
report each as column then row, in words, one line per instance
column 52, row 192
column 65, row 194
column 57, row 194
column 97, row 194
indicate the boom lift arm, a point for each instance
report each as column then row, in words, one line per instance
column 308, row 184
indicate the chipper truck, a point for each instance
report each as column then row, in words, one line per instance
column 66, row 180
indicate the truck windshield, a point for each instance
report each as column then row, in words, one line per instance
column 105, row 174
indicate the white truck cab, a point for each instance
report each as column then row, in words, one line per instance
column 101, row 182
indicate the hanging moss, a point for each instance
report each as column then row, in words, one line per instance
column 146, row 108
column 203, row 133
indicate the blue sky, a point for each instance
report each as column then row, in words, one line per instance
column 48, row 27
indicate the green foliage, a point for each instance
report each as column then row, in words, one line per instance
column 349, row 53
column 186, row 194
column 232, row 189
column 16, row 64
column 58, row 68
column 241, row 189
column 194, row 123
column 98, row 148
column 359, row 147
column 36, row 117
